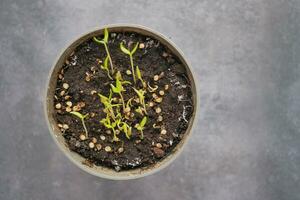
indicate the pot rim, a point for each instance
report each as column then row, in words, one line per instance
column 143, row 171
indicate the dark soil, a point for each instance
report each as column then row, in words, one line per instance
column 83, row 74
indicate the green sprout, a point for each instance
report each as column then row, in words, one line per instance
column 130, row 53
column 126, row 128
column 139, row 76
column 104, row 41
column 107, row 102
column 118, row 89
column 141, row 126
column 141, row 95
column 105, row 67
column 110, row 125
column 81, row 117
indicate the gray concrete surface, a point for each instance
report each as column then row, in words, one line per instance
column 246, row 56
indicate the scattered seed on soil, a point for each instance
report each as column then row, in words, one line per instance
column 94, row 140
column 158, row 110
column 165, row 54
column 158, row 100
column 102, row 137
column 154, row 95
column 128, row 72
column 160, row 118
column 60, row 76
column 108, row 132
column 82, row 137
column 117, row 132
column 68, row 109
column 163, row 132
column 67, row 97
column 127, row 110
column 66, row 86
column 93, row 92
column 91, row 145
column 65, row 126
column 151, row 104
column 138, row 141
column 121, row 149
column 62, row 93
column 155, row 78
column 161, row 93
column 107, row 149
column 76, row 108
column 142, row 45
column 93, row 114
column 158, row 145
column 166, row 87
column 87, row 78
column 58, row 106
column 60, row 125
column 81, row 104
column 98, row 146
column 69, row 103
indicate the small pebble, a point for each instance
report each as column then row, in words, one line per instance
column 128, row 72
column 68, row 109
column 158, row 145
column 158, row 110
column 142, row 45
column 58, row 106
column 94, row 140
column 108, row 132
column 161, row 93
column 60, row 125
column 82, row 137
column 121, row 149
column 160, row 118
column 62, row 93
column 91, row 145
column 166, row 87
column 158, row 100
column 66, row 86
column 65, row 126
column 155, row 78
column 163, row 132
column 102, row 137
column 69, row 103
column 98, row 147
column 107, row 149
column 93, row 92
column 165, row 54
column 117, row 168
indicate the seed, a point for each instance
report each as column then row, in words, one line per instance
column 166, row 87
column 60, row 76
column 60, row 125
column 65, row 126
column 58, row 106
column 154, row 95
column 76, row 108
column 155, row 78
column 81, row 91
column 81, row 104
column 67, row 97
column 142, row 45
column 107, row 149
column 102, row 137
column 98, row 61
column 161, row 74
column 117, row 132
column 165, row 54
column 93, row 114
column 160, row 118
column 115, row 99
column 138, row 141
column 132, row 115
column 68, row 109
column 87, row 78
column 93, row 68
column 128, row 72
column 108, row 132
column 121, row 149
column 82, row 137
column 91, row 145
column 94, row 140
column 163, row 132
column 62, row 93
column 98, row 146
column 158, row 145
column 127, row 110
column 158, row 110
column 151, row 104
column 67, row 62
column 69, row 103
column 158, row 100
column 161, row 93
column 93, row 92
column 66, row 86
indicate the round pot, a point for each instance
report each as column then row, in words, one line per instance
column 99, row 171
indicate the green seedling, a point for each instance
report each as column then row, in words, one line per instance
column 118, row 89
column 139, row 110
column 141, row 126
column 141, row 95
column 152, row 89
column 104, row 41
column 110, row 125
column 130, row 53
column 126, row 128
column 105, row 67
column 139, row 76
column 81, row 117
column 108, row 106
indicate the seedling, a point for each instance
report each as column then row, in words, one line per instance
column 104, row 41
column 105, row 67
column 81, row 117
column 126, row 128
column 107, row 102
column 141, row 95
column 110, row 125
column 118, row 89
column 141, row 126
column 130, row 53
column 139, row 76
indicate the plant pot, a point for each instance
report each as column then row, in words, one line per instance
column 55, row 131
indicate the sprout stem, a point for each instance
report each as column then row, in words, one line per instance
column 132, row 68
column 85, row 129
column 109, row 58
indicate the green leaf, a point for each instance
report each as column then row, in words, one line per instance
column 77, row 114
column 143, row 122
column 105, row 39
column 106, row 62
column 138, row 73
column 134, row 49
column 114, row 89
column 126, row 51
column 119, row 75
column 103, row 99
column 119, row 85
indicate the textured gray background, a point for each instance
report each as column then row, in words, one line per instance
column 246, row 55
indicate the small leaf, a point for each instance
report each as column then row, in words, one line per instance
column 105, row 39
column 134, row 49
column 103, row 99
column 126, row 51
column 138, row 73
column 119, row 75
column 114, row 89
column 106, row 62
column 119, row 85
column 143, row 122
column 77, row 114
